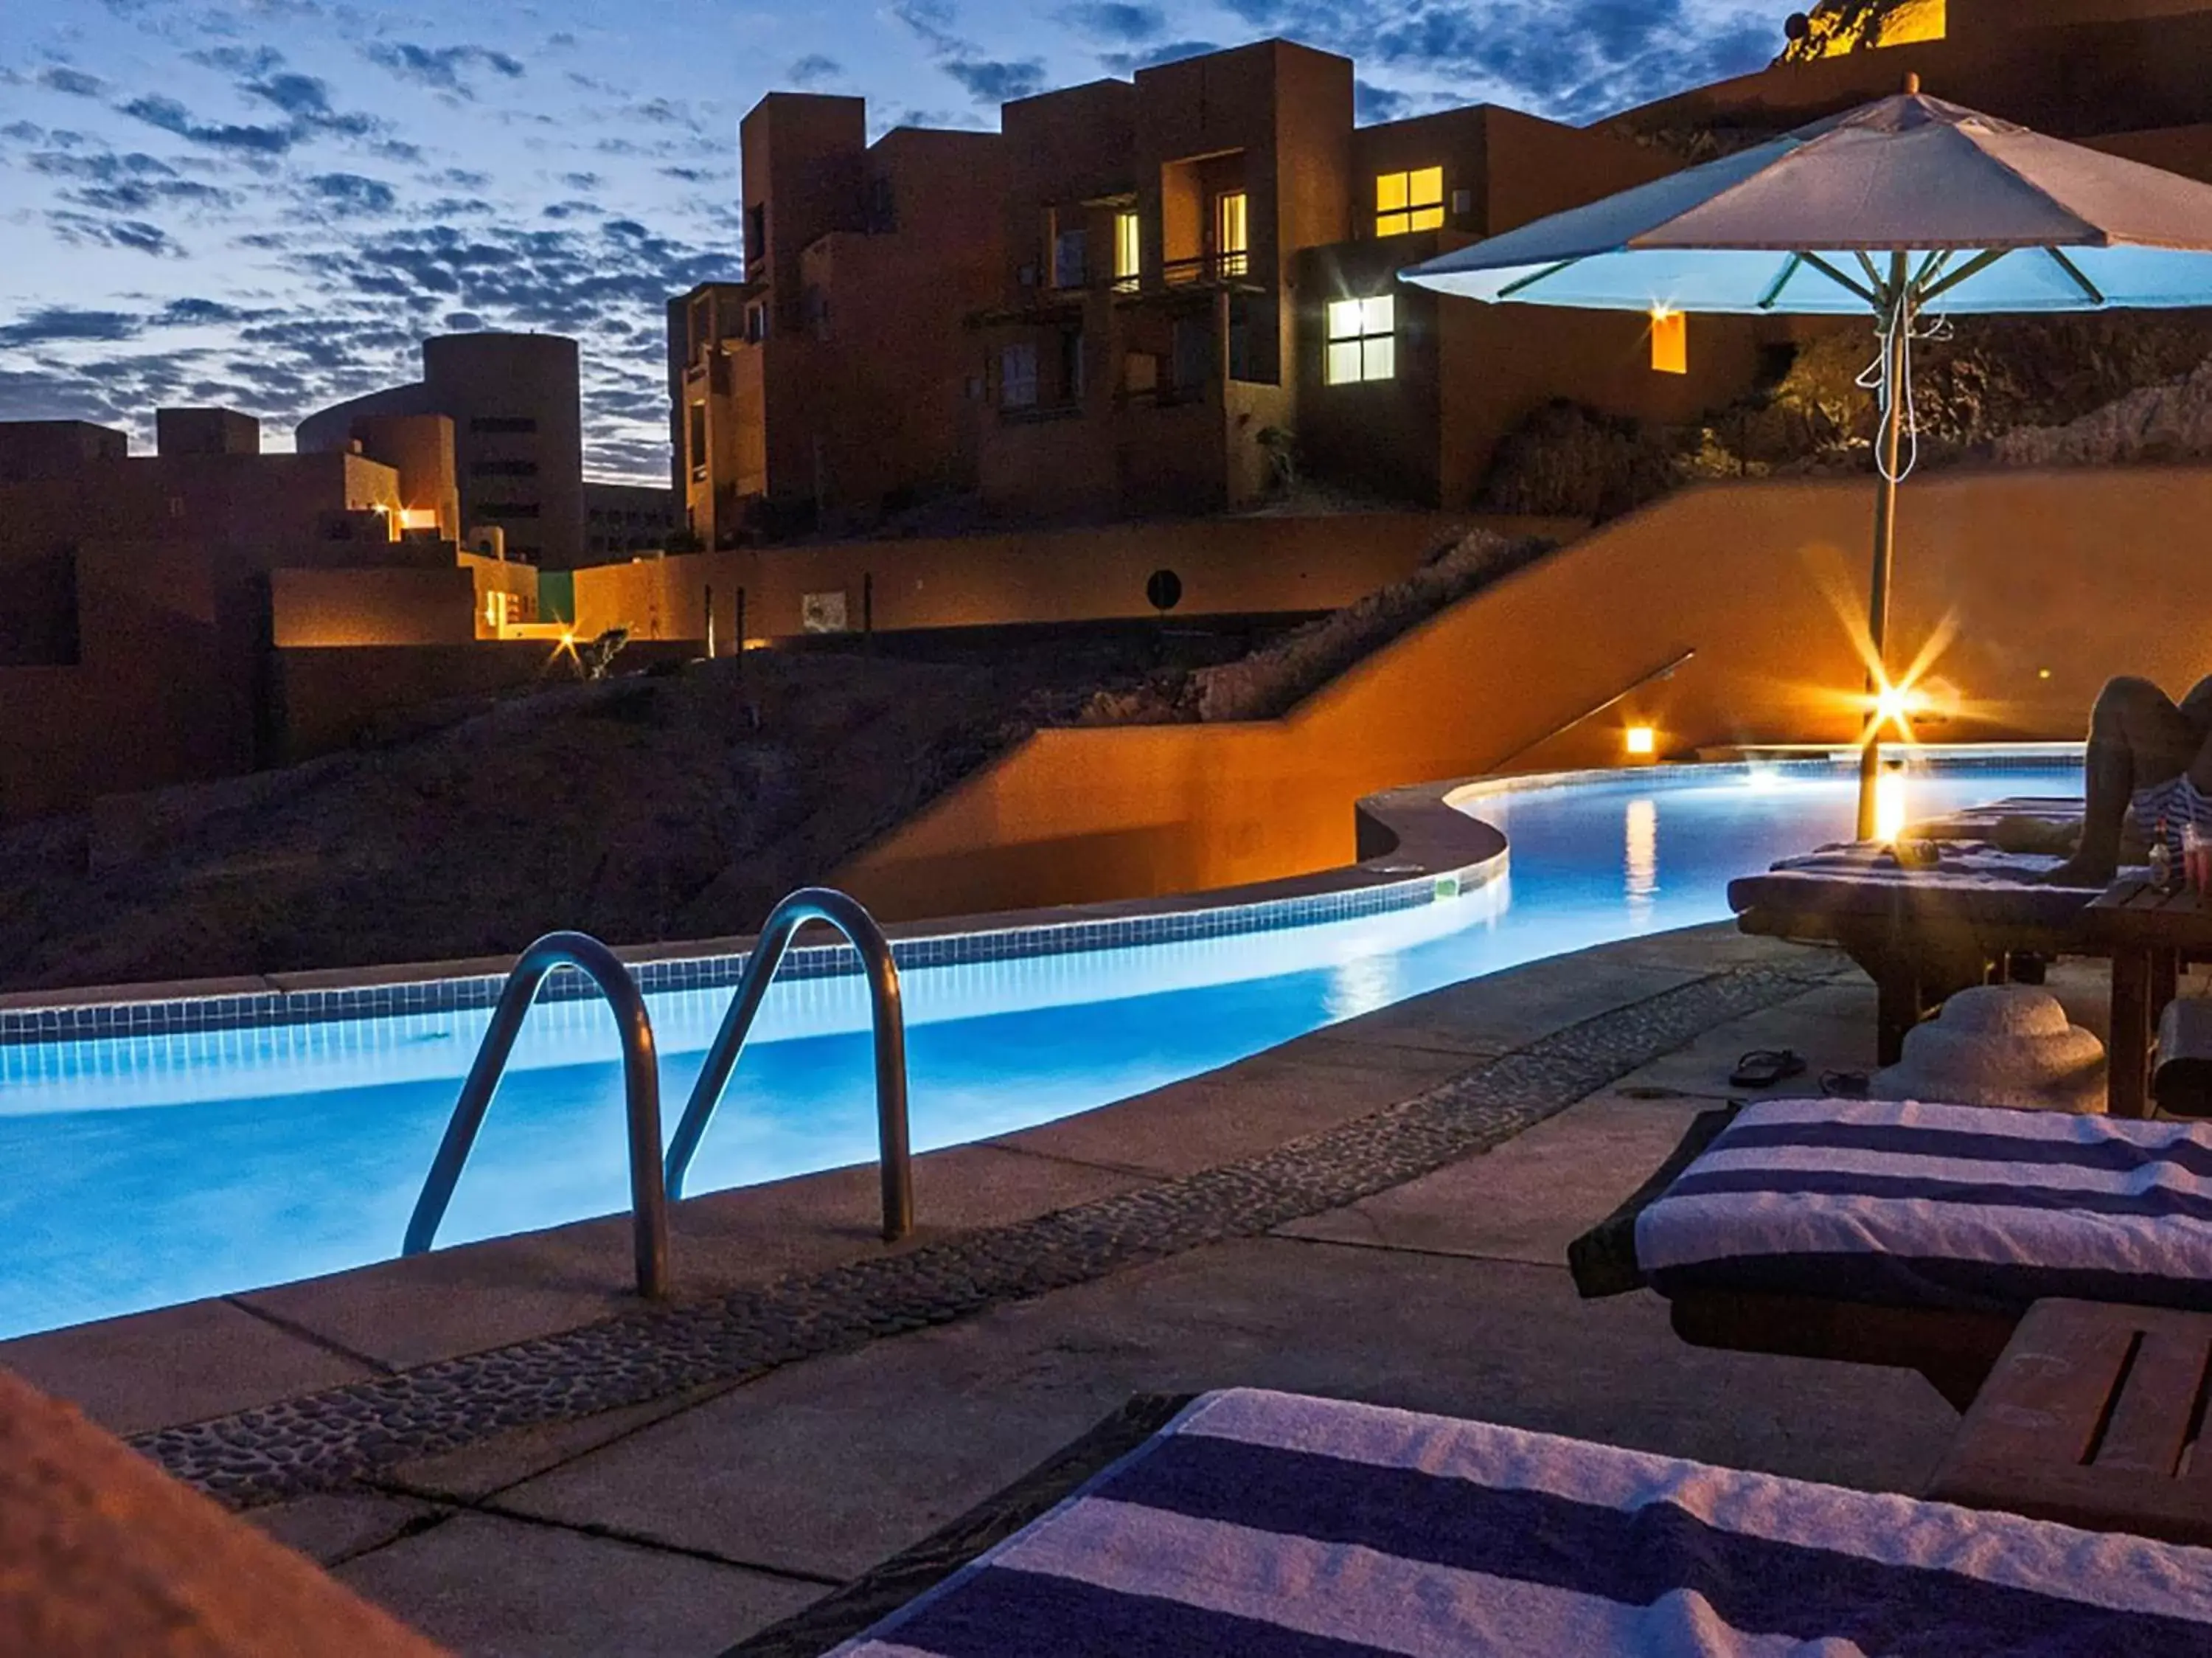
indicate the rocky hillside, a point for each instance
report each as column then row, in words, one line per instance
column 1978, row 396
column 658, row 806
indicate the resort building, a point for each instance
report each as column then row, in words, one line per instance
column 225, row 608
column 1173, row 289
column 837, row 376
column 623, row 521
column 515, row 407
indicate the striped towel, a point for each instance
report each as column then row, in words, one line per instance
column 1267, row 1526
column 1927, row 1205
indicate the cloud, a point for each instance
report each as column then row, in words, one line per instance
column 1573, row 59
column 60, row 77
column 58, row 323
column 171, row 116
column 441, row 68
column 1113, row 20
column 1374, row 103
column 994, row 81
column 353, row 192
column 84, row 230
column 988, row 79
column 813, row 70
column 1173, row 51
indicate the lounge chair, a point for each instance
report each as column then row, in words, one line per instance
column 1923, row 930
column 1266, row 1523
column 1908, row 1235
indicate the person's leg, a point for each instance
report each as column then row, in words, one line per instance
column 2138, row 738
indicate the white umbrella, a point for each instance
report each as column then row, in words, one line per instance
column 1903, row 206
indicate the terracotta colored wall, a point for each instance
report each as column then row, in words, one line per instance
column 2025, row 572
column 371, row 606
column 1228, row 566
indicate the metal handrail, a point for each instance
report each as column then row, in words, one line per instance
column 649, row 1204
column 849, row 918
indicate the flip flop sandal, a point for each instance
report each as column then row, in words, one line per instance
column 1844, row 1084
column 1762, row 1068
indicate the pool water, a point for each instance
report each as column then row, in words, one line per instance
column 142, row 1172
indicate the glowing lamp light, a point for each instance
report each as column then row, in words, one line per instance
column 1896, row 704
column 1643, row 741
column 1670, row 341
column 1889, row 805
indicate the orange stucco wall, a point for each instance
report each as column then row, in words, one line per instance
column 1228, row 566
column 371, row 606
column 2082, row 574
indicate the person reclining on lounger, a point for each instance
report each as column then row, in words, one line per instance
column 2147, row 754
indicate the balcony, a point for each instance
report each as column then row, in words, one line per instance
column 1208, row 273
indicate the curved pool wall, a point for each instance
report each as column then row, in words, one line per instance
column 211, row 1154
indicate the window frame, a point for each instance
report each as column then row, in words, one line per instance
column 1232, row 210
column 1404, row 204
column 1359, row 340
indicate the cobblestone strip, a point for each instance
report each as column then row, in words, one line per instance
column 323, row 1439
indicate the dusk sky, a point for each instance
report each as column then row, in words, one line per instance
column 267, row 204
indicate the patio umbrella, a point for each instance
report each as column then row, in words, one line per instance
column 1903, row 207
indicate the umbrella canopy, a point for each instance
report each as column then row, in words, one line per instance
column 1989, row 217
column 1902, row 206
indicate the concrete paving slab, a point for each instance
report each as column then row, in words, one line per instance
column 488, row 1586
column 1528, row 1199
column 1721, row 946
column 1832, row 1027
column 179, row 1364
column 1247, row 1108
column 337, row 1525
column 474, row 1296
column 1485, row 1017
column 477, row 1472
column 831, row 1466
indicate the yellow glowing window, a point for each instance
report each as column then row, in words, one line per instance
column 1232, row 231
column 1128, row 257
column 1670, row 343
column 1409, row 201
column 1363, row 339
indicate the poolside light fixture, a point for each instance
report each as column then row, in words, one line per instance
column 1643, row 741
column 1906, row 209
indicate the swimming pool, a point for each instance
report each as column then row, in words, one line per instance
column 144, row 1171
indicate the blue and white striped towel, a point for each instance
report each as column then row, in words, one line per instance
column 1267, row 1526
column 1933, row 1205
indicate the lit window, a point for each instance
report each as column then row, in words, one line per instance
column 1017, row 376
column 1128, row 258
column 1232, row 232
column 1409, row 201
column 1363, row 339
column 1670, row 343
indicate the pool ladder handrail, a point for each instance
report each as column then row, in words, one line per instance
column 648, row 1203
column 848, row 915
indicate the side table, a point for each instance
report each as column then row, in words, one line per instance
column 2089, row 1418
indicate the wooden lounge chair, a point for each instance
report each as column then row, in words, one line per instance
column 1912, row 1235
column 1922, row 931
column 1259, row 1523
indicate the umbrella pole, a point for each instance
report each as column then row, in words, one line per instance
column 1889, row 455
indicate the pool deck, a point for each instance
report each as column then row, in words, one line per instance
column 499, row 1444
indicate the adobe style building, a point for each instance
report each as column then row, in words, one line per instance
column 515, row 408
column 207, row 609
column 836, row 375
column 624, row 520
column 1171, row 287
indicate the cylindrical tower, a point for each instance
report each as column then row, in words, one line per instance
column 516, row 405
